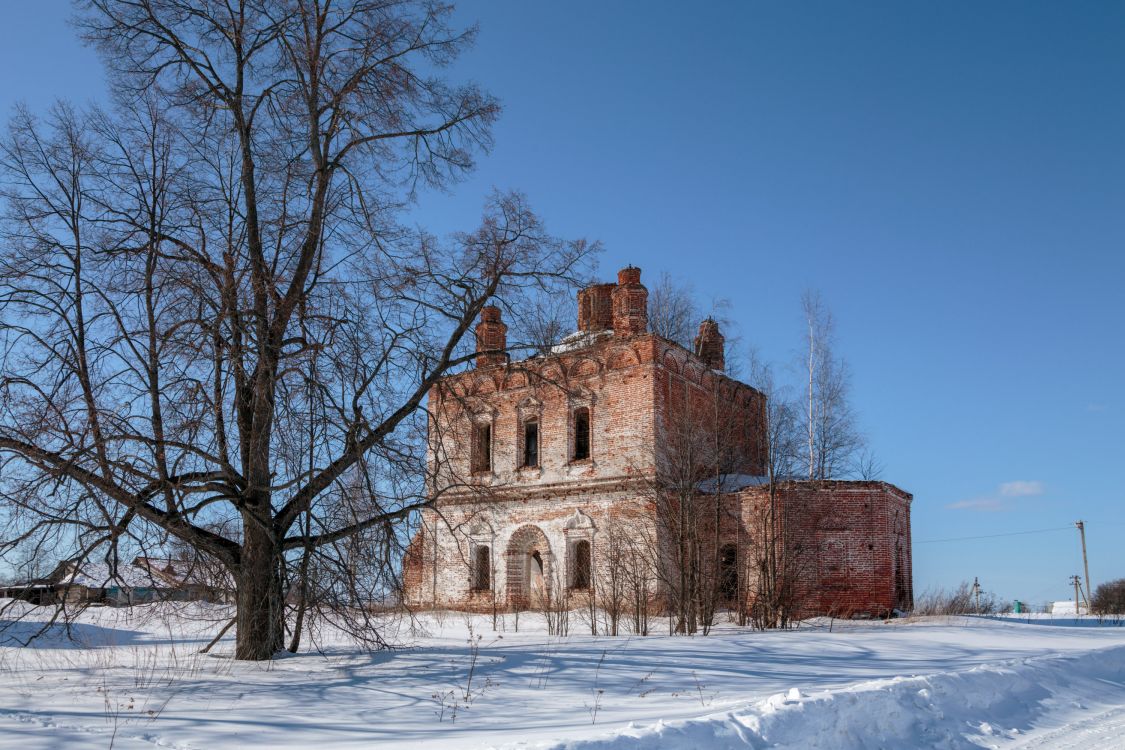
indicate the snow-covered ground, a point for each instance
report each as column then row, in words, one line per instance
column 133, row 679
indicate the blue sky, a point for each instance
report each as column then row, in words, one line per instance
column 950, row 176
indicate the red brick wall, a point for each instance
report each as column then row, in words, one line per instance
column 613, row 378
column 846, row 535
column 689, row 395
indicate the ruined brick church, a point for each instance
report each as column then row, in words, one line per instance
column 546, row 471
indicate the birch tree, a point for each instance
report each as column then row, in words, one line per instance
column 832, row 438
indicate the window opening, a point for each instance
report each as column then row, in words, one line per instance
column 581, row 561
column 581, row 434
column 728, row 572
column 482, row 448
column 482, row 573
column 531, row 443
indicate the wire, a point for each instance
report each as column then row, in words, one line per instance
column 993, row 536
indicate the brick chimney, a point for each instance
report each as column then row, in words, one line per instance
column 492, row 337
column 709, row 345
column 630, row 303
column 595, row 307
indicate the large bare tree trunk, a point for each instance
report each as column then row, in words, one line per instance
column 261, row 626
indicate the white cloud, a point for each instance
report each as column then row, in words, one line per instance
column 1021, row 488
column 980, row 503
column 1001, row 498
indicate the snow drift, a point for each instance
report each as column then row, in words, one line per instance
column 133, row 677
column 987, row 706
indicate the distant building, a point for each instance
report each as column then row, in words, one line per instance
column 545, row 469
column 142, row 581
column 1066, row 607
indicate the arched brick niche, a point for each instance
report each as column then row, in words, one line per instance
column 530, row 568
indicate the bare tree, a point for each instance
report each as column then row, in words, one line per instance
column 683, row 465
column 1109, row 598
column 213, row 327
column 778, row 561
column 555, row 604
column 828, row 422
column 672, row 310
column 674, row 313
column 866, row 465
column 626, row 571
column 543, row 326
column 708, row 439
column 640, row 577
column 612, row 571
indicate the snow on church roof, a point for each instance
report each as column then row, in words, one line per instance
column 730, row 483
column 579, row 340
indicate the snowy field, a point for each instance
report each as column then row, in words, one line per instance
column 133, row 679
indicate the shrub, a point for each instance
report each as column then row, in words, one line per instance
column 1109, row 598
column 959, row 601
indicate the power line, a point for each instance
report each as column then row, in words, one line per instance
column 993, row 536
column 1010, row 533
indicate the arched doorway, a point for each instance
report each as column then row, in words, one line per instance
column 530, row 569
column 535, row 586
column 728, row 573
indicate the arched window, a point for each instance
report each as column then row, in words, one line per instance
column 482, row 447
column 482, row 569
column 580, row 565
column 581, row 434
column 728, row 572
column 531, row 443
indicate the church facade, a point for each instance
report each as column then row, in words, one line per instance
column 602, row 469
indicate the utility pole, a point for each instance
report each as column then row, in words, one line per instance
column 1085, row 565
column 976, row 592
column 1076, row 580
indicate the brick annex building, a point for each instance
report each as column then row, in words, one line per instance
column 545, row 469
